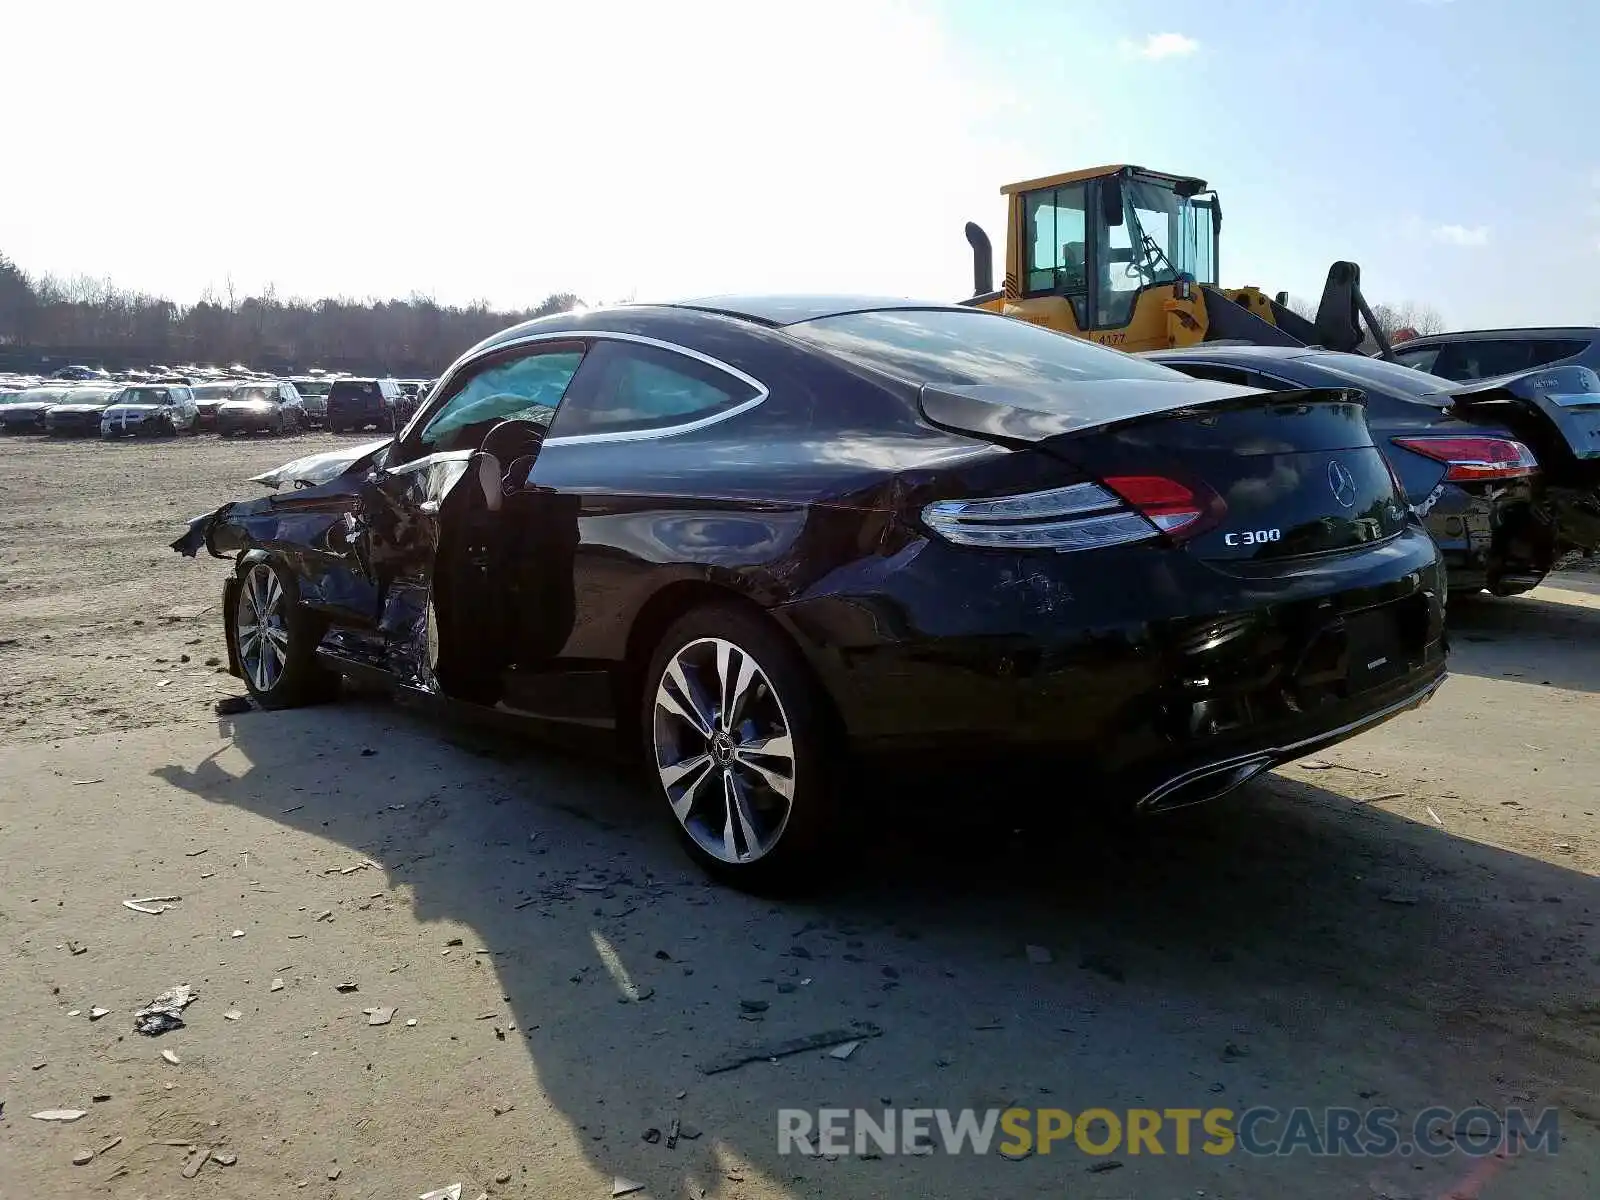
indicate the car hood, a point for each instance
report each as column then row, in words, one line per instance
column 78, row 409
column 27, row 406
column 315, row 469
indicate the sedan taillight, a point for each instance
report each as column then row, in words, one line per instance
column 1474, row 458
column 1084, row 516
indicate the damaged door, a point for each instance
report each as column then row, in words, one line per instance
column 397, row 526
column 433, row 528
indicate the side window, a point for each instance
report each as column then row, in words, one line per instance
column 1555, row 351
column 528, row 387
column 1422, row 358
column 1055, row 240
column 1482, row 360
column 628, row 387
column 1213, row 371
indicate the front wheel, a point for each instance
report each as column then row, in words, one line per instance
column 276, row 640
column 743, row 745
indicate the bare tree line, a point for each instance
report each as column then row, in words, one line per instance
column 44, row 317
column 1392, row 318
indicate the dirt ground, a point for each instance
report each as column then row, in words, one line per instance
column 1407, row 921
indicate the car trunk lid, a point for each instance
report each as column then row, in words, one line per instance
column 1233, row 473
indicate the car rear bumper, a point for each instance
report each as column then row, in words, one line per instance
column 1159, row 676
column 1491, row 537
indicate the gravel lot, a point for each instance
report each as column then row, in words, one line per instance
column 1408, row 921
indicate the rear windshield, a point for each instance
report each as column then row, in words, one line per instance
column 353, row 389
column 310, row 387
column 957, row 346
column 269, row 394
column 1409, row 381
column 88, row 396
column 214, row 391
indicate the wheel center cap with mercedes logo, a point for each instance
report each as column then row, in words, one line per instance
column 1342, row 484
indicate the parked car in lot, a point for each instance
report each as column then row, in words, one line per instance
column 271, row 406
column 313, row 391
column 207, row 396
column 150, row 410
column 25, row 412
column 1462, row 455
column 78, row 412
column 1475, row 354
column 756, row 534
column 358, row 403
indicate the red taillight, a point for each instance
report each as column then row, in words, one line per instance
column 1170, row 505
column 1475, row 458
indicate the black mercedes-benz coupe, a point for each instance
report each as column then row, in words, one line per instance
column 760, row 534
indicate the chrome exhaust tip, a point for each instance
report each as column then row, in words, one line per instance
column 1206, row 783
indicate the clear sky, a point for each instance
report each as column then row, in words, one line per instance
column 673, row 147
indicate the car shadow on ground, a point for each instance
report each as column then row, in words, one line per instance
column 1287, row 946
column 1536, row 638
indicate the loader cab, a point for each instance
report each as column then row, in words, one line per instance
column 1097, row 252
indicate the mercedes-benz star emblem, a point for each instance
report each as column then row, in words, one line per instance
column 1342, row 484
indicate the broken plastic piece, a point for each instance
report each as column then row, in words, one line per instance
column 844, row 1051
column 233, row 1014
column 453, row 1192
column 58, row 1114
column 171, row 1057
column 760, row 1051
column 379, row 1016
column 624, row 1187
column 164, row 1012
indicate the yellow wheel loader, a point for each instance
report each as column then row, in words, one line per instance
column 1128, row 257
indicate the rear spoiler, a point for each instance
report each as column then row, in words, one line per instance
column 1023, row 416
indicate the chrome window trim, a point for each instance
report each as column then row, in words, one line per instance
column 447, row 380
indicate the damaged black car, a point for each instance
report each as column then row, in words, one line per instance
column 755, row 535
column 1505, row 473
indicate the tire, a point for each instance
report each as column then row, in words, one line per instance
column 279, row 663
column 778, row 842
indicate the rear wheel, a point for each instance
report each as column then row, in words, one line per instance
column 743, row 744
column 277, row 640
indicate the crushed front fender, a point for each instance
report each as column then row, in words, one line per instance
column 198, row 535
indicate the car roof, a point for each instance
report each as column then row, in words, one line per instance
column 1527, row 332
column 792, row 309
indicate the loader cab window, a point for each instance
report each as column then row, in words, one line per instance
column 1056, row 238
column 1163, row 237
